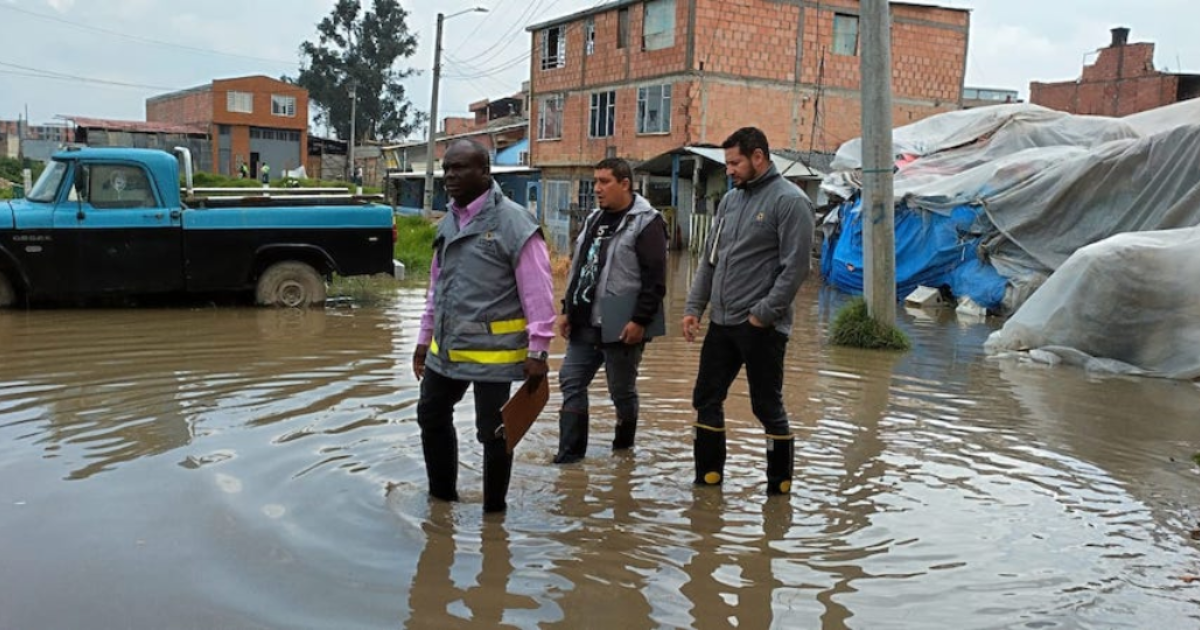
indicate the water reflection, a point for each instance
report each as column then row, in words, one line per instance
column 933, row 489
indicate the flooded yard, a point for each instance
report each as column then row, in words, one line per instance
column 229, row 468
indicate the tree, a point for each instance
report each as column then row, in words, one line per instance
column 361, row 49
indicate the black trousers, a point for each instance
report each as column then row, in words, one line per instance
column 726, row 349
column 439, row 394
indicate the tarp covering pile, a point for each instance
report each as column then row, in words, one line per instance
column 1129, row 304
column 991, row 201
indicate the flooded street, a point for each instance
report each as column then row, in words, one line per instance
column 228, row 468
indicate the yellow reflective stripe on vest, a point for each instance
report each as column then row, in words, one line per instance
column 489, row 357
column 509, row 326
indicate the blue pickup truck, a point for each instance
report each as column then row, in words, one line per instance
column 114, row 223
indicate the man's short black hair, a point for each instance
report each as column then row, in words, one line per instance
column 747, row 139
column 477, row 151
column 620, row 168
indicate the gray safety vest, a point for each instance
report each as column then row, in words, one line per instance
column 621, row 273
column 478, row 323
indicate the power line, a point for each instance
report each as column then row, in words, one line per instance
column 144, row 40
column 37, row 73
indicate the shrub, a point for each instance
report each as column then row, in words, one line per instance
column 855, row 328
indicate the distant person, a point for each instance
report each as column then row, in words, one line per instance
column 488, row 321
column 753, row 264
column 243, row 171
column 265, row 172
column 620, row 254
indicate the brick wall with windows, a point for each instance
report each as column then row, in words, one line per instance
column 231, row 108
column 738, row 66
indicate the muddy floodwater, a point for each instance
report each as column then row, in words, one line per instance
column 229, row 468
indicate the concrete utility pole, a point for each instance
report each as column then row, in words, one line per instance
column 431, row 150
column 353, row 115
column 878, row 210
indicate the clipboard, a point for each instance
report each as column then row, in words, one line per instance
column 617, row 310
column 522, row 409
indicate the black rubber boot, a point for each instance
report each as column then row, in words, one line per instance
column 441, row 464
column 781, row 452
column 709, row 453
column 572, row 437
column 497, row 469
column 625, row 432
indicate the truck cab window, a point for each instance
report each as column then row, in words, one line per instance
column 113, row 186
column 47, row 185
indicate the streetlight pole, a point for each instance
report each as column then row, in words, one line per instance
column 431, row 148
column 353, row 116
column 878, row 208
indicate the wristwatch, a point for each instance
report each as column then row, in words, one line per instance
column 539, row 355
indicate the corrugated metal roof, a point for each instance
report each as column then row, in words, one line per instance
column 138, row 126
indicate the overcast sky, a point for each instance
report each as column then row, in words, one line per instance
column 103, row 58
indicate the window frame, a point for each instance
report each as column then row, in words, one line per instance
column 559, row 58
column 839, row 45
column 283, row 105
column 602, row 111
column 663, row 125
column 234, row 101
column 665, row 11
column 543, row 122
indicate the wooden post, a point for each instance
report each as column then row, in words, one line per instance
column 878, row 209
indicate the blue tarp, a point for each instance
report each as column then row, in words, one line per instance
column 932, row 250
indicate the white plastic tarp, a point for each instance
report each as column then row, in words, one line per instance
column 1128, row 304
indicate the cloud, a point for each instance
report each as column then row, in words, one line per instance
column 61, row 6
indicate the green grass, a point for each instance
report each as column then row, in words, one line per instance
column 855, row 328
column 1196, row 458
column 414, row 244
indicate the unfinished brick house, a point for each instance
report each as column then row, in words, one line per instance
column 1121, row 81
column 641, row 78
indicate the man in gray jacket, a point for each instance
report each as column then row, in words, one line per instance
column 754, row 261
column 618, row 272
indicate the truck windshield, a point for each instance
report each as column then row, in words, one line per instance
column 47, row 185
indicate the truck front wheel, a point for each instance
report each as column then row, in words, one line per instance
column 8, row 296
column 290, row 283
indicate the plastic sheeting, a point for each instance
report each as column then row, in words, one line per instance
column 1128, row 304
column 1044, row 182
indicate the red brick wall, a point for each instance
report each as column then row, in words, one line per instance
column 748, row 49
column 456, row 126
column 186, row 109
column 1120, row 82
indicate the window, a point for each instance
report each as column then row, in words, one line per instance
column 554, row 47
column 658, row 27
column 845, row 34
column 589, row 36
column 242, row 102
column 550, row 112
column 622, row 28
column 604, row 113
column 654, row 109
column 223, row 130
column 587, row 195
column 113, row 186
column 283, row 105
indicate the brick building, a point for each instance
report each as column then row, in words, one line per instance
column 257, row 120
column 1121, row 81
column 640, row 78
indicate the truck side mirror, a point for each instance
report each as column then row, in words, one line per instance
column 82, row 178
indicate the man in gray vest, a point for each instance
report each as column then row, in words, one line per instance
column 754, row 261
column 618, row 271
column 488, row 321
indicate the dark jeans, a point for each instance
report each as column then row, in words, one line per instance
column 726, row 349
column 439, row 394
column 585, row 355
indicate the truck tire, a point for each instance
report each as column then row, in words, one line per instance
column 8, row 296
column 290, row 283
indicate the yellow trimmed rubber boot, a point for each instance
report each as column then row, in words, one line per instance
column 709, row 453
column 781, row 452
